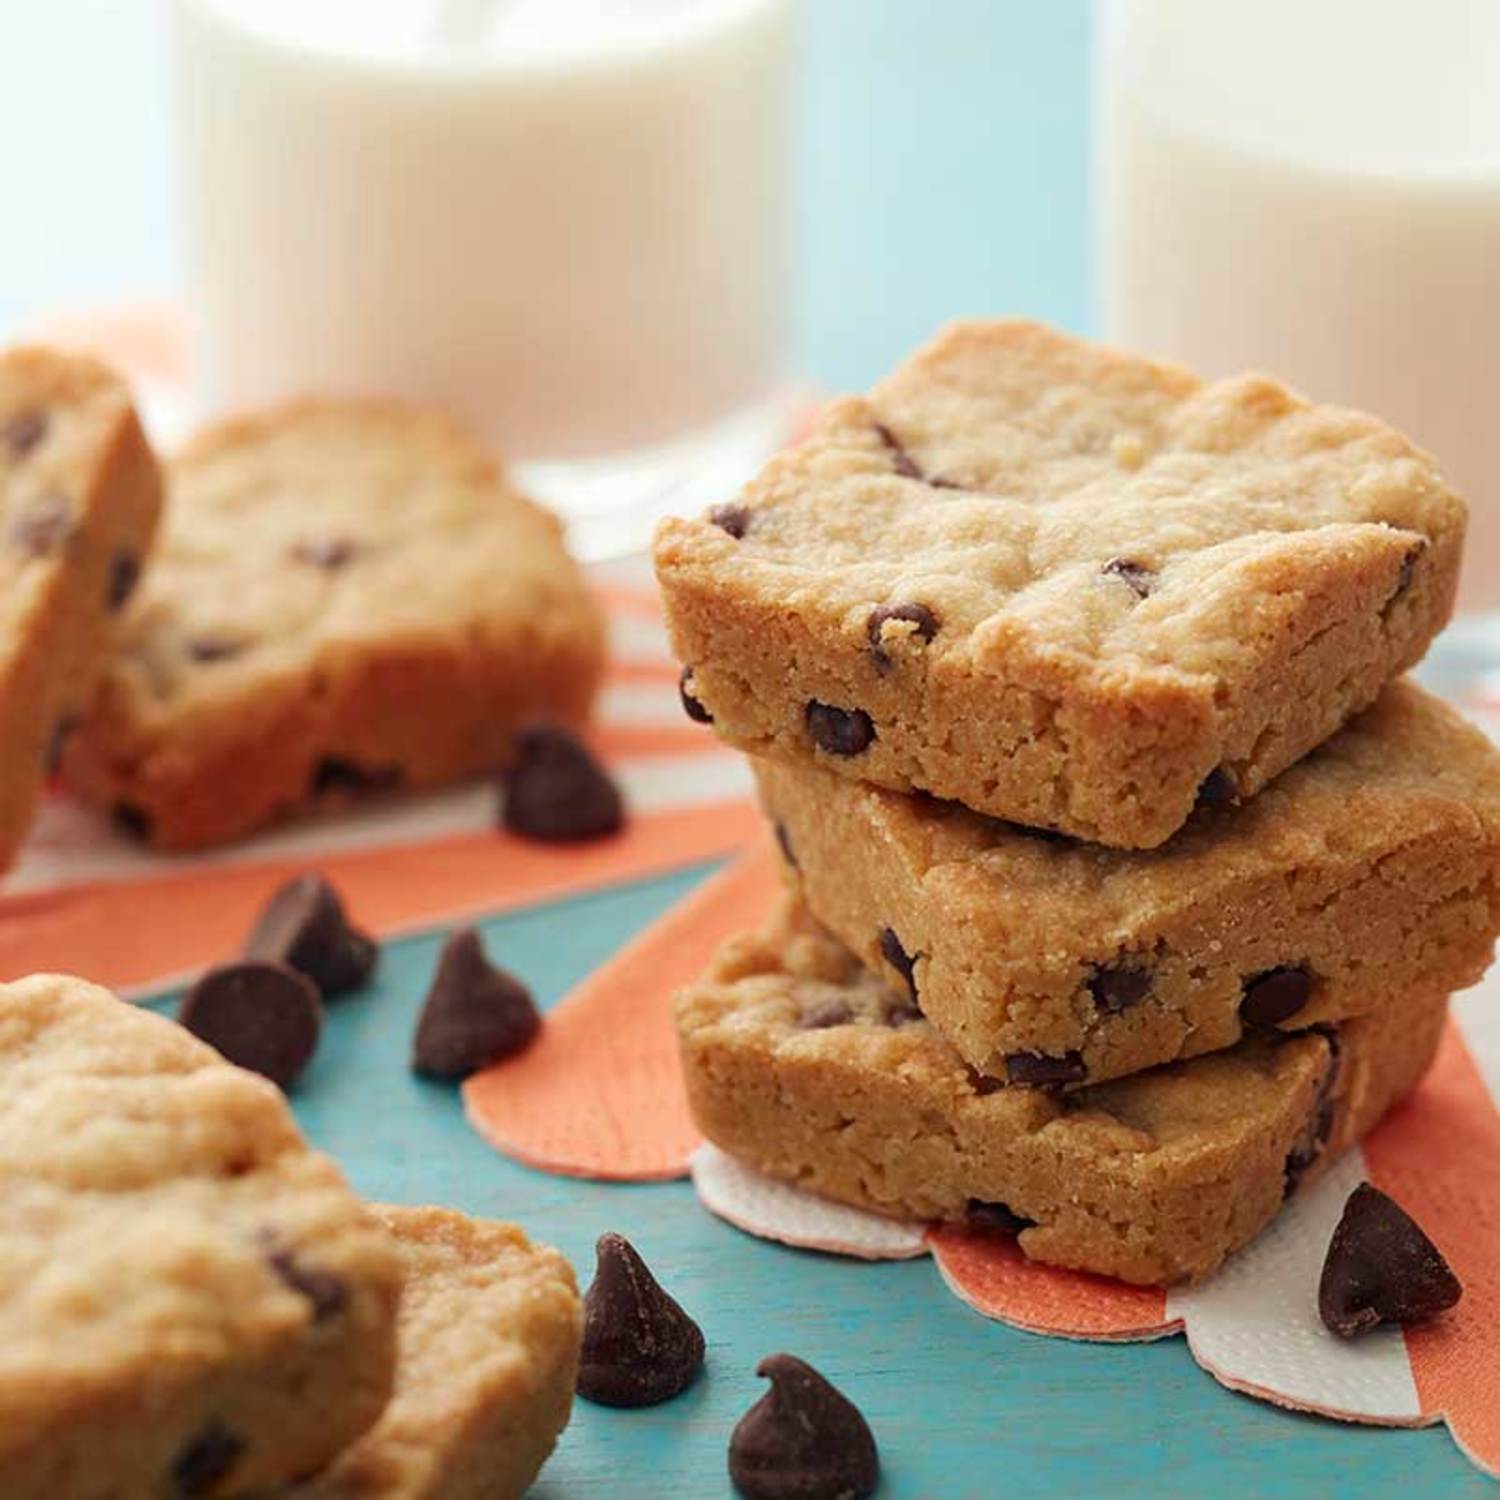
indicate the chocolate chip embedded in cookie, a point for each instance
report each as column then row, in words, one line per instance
column 1382, row 1268
column 395, row 614
column 79, row 490
column 803, row 1438
column 1138, row 577
column 839, row 731
column 1365, row 869
column 475, row 1013
column 639, row 1347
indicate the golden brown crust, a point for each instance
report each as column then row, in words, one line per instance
column 347, row 594
column 488, row 1339
column 79, row 498
column 1135, row 579
column 183, row 1284
column 1374, row 864
column 1153, row 1179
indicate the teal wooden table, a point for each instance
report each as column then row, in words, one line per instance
column 963, row 1408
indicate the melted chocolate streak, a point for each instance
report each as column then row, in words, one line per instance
column 904, row 464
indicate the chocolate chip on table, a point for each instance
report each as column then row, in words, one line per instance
column 43, row 527
column 24, row 431
column 922, row 619
column 828, row 1013
column 329, row 553
column 803, row 1440
column 335, row 775
column 996, row 1216
column 1381, row 1268
column 1275, row 995
column 904, row 963
column 557, row 792
column 305, row 926
column 1134, row 574
column 1119, row 987
column 1218, row 789
column 1038, row 1069
column 690, row 704
column 735, row 519
column 262, row 1016
column 206, row 1461
column 325, row 1292
column 839, row 731
column 639, row 1346
column 211, row 648
column 475, row 1013
column 124, row 574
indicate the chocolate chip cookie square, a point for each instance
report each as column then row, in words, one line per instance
column 1370, row 868
column 349, row 599
column 80, row 493
column 192, row 1302
column 795, row 1065
column 1063, row 585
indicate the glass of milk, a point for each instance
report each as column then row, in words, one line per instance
column 567, row 220
column 1312, row 187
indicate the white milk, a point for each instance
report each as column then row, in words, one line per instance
column 564, row 218
column 1312, row 187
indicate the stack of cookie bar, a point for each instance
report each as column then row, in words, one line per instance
column 1128, row 883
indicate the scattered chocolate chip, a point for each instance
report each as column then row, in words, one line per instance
column 1136, row 575
column 923, row 620
column 1218, row 789
column 1276, row 995
column 690, row 705
column 1119, row 987
column 839, row 731
column 996, row 1216
column 43, row 527
column 901, row 460
column 135, row 821
column 305, row 926
column 1315, row 1137
column 1043, row 1071
column 784, row 843
column 1381, row 1268
column 261, row 1016
column 206, row 1461
column 211, row 648
column 475, row 1013
column 326, row 1292
column 335, row 776
column 557, row 792
column 23, row 432
column 899, row 959
column 828, row 1013
column 57, row 742
column 124, row 574
column 803, row 1440
column 639, row 1346
column 735, row 519
column 329, row 553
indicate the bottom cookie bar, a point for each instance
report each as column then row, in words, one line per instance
column 809, row 1068
column 487, row 1358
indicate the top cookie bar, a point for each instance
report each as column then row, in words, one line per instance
column 1063, row 585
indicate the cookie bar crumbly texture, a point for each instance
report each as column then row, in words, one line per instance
column 79, row 497
column 192, row 1303
column 347, row 597
column 1370, row 868
column 488, row 1339
column 1154, row 1179
column 1064, row 585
